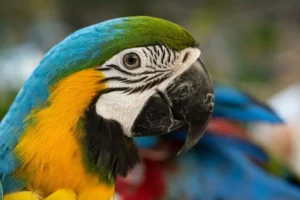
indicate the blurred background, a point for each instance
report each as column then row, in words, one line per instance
column 250, row 44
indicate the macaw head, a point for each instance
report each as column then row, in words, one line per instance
column 127, row 77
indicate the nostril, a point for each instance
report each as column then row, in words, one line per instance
column 186, row 57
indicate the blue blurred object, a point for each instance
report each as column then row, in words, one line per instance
column 222, row 166
column 237, row 105
column 146, row 142
column 243, row 146
column 217, row 171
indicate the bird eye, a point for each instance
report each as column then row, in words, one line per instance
column 131, row 61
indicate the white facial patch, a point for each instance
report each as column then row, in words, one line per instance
column 129, row 89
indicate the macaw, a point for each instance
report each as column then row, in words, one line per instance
column 68, row 134
column 224, row 164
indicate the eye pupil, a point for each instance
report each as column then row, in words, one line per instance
column 131, row 60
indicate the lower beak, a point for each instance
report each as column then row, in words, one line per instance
column 187, row 101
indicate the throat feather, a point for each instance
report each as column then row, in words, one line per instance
column 109, row 151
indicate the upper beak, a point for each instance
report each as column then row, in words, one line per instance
column 188, row 100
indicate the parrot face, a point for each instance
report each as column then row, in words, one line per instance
column 153, row 90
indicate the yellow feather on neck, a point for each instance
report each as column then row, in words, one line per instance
column 49, row 150
column 22, row 196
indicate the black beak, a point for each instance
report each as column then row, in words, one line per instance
column 187, row 101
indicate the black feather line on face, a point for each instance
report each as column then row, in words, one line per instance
column 150, row 50
column 148, row 85
column 123, row 79
column 169, row 55
column 115, row 67
column 150, row 67
column 156, row 50
column 109, row 151
column 145, row 53
column 151, row 59
column 163, row 56
column 153, row 77
column 174, row 56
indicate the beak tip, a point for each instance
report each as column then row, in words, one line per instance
column 187, row 147
column 195, row 133
column 183, row 150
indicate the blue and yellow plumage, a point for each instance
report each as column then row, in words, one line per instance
column 48, row 111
